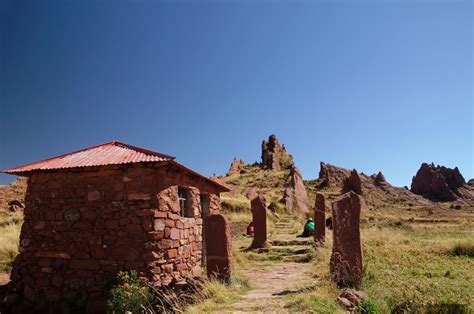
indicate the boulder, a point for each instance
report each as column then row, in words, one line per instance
column 350, row 298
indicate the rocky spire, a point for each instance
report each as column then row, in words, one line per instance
column 235, row 167
column 274, row 155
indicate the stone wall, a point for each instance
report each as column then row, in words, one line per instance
column 81, row 227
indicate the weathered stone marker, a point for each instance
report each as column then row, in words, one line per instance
column 346, row 258
column 259, row 216
column 320, row 218
column 218, row 246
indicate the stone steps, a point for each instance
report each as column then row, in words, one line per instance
column 293, row 242
column 294, row 249
column 298, row 258
column 278, row 225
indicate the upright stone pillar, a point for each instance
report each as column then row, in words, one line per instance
column 346, row 258
column 259, row 214
column 320, row 218
column 218, row 246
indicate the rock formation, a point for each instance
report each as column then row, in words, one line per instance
column 235, row 167
column 288, row 199
column 439, row 183
column 471, row 183
column 377, row 189
column 277, row 177
column 274, row 156
column 379, row 179
column 300, row 196
column 353, row 183
column 331, row 176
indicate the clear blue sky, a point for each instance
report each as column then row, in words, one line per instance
column 371, row 85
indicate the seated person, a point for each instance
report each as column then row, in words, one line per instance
column 308, row 229
column 250, row 229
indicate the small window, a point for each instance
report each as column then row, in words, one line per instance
column 185, row 203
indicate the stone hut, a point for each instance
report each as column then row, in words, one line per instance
column 103, row 209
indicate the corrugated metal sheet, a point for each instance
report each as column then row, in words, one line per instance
column 112, row 153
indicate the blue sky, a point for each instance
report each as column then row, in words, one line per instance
column 371, row 85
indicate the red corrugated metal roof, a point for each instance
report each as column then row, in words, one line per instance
column 112, row 153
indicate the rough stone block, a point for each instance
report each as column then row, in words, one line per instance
column 93, row 196
column 320, row 218
column 259, row 218
column 218, row 246
column 346, row 258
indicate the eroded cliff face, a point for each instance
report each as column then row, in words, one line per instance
column 439, row 183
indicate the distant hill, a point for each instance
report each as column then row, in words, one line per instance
column 13, row 191
column 278, row 178
column 377, row 192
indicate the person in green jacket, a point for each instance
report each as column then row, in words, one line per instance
column 308, row 229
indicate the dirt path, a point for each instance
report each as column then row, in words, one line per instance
column 285, row 274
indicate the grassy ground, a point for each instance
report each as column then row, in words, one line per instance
column 10, row 224
column 414, row 258
column 219, row 296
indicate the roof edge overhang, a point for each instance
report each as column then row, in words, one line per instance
column 222, row 188
column 13, row 171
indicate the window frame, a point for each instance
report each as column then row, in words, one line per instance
column 185, row 202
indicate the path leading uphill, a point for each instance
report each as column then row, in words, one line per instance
column 283, row 272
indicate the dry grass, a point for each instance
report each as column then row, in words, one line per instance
column 218, row 296
column 413, row 265
column 463, row 248
column 10, row 225
column 235, row 203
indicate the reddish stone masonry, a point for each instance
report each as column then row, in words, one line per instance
column 84, row 225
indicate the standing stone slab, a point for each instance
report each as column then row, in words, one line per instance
column 320, row 218
column 218, row 246
column 259, row 214
column 346, row 258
